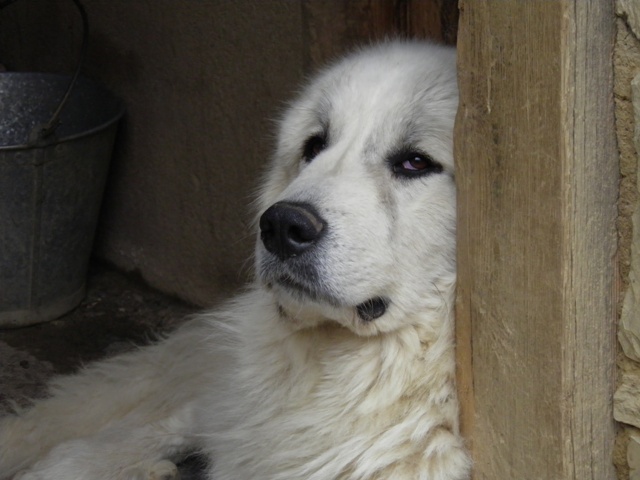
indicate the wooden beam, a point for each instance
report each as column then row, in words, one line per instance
column 537, row 178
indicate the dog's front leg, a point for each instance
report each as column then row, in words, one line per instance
column 136, row 394
column 126, row 450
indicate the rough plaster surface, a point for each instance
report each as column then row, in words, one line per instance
column 633, row 456
column 626, row 401
column 202, row 81
column 626, row 68
column 620, row 453
column 630, row 11
column 629, row 332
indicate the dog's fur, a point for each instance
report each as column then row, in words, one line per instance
column 337, row 363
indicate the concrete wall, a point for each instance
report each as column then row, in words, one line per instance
column 202, row 81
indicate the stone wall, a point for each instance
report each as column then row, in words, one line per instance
column 627, row 97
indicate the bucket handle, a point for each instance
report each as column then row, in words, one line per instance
column 40, row 133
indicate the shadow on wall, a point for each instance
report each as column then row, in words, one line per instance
column 200, row 81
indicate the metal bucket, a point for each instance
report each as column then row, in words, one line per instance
column 51, row 188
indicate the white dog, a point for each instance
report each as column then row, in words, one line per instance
column 338, row 362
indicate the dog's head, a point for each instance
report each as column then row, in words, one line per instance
column 357, row 215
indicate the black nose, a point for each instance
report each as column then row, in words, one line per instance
column 289, row 229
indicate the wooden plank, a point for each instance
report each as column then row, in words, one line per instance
column 537, row 178
column 509, row 184
column 590, row 209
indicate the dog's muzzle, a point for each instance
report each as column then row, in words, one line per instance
column 290, row 229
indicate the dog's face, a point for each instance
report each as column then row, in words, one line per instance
column 357, row 217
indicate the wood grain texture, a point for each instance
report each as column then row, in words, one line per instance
column 590, row 208
column 537, row 177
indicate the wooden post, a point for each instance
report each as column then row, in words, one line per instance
column 537, row 178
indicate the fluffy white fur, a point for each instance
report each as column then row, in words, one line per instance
column 288, row 383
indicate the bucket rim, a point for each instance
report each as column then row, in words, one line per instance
column 119, row 106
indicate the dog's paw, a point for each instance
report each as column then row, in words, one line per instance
column 162, row 470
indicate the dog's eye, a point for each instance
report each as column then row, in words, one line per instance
column 313, row 146
column 413, row 164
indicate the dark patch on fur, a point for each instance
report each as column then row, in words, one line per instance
column 372, row 308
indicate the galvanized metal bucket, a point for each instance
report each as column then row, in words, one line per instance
column 52, row 179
